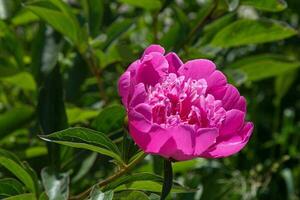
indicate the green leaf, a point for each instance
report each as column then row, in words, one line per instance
column 246, row 31
column 36, row 151
column 94, row 10
column 132, row 195
column 10, row 187
column 79, row 115
column 85, row 139
column 116, row 30
column 145, row 4
column 14, row 119
column 110, row 119
column 266, row 5
column 283, row 83
column 23, row 80
column 59, row 16
column 124, row 180
column 56, row 184
column 28, row 196
column 264, row 66
column 96, row 194
column 21, row 171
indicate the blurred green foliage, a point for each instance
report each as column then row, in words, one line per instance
column 59, row 65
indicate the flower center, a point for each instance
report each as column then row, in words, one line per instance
column 179, row 100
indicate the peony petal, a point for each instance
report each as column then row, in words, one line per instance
column 152, row 69
column 184, row 136
column 204, row 139
column 240, row 104
column 159, row 136
column 145, row 110
column 215, row 80
column 139, row 95
column 233, row 122
column 230, row 97
column 232, row 145
column 139, row 128
column 174, row 62
column 124, row 87
column 197, row 69
column 153, row 48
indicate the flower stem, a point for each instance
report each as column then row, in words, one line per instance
column 116, row 175
column 168, row 179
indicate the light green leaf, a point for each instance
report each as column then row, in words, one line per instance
column 56, row 184
column 27, row 196
column 247, row 31
column 145, row 4
column 85, row 139
column 60, row 17
column 132, row 195
column 36, row 151
column 96, row 194
column 266, row 5
column 79, row 115
column 110, row 119
column 23, row 80
column 10, row 187
column 264, row 66
column 21, row 171
column 14, row 119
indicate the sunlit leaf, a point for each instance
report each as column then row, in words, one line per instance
column 246, row 31
column 78, row 115
column 266, row 5
column 85, row 139
column 145, row 4
column 56, row 184
column 27, row 196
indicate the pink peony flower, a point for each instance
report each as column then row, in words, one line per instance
column 182, row 111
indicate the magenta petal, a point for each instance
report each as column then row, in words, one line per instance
column 230, row 97
column 233, row 122
column 240, row 104
column 204, row 139
column 232, row 145
column 139, row 95
column 184, row 135
column 139, row 128
column 159, row 137
column 152, row 69
column 197, row 69
column 124, row 86
column 145, row 110
column 174, row 62
column 215, row 80
column 154, row 48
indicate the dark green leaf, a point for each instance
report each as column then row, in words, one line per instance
column 132, row 195
column 10, row 187
column 246, row 31
column 56, row 184
column 145, row 4
column 110, row 119
column 86, row 165
column 21, row 171
column 86, row 139
column 266, row 5
column 116, row 30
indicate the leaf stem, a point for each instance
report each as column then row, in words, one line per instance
column 168, row 179
column 116, row 175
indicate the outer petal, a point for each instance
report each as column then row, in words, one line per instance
column 233, row 123
column 197, row 69
column 153, row 68
column 174, row 142
column 124, row 87
column 139, row 95
column 233, row 145
column 215, row 80
column 205, row 138
column 154, row 48
column 230, row 97
column 240, row 104
column 174, row 62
